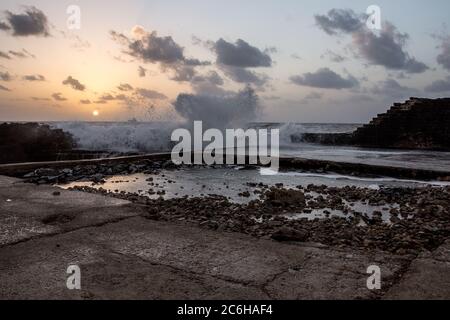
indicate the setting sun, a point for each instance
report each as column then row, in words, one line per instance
column 95, row 113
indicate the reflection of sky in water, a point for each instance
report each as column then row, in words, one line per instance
column 428, row 160
column 230, row 182
column 410, row 159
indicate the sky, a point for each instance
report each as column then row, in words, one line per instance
column 308, row 61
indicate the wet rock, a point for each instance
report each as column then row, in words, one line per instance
column 245, row 194
column 67, row 171
column 285, row 198
column 46, row 172
column 98, row 178
column 26, row 142
column 409, row 125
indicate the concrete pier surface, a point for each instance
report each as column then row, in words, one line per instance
column 123, row 255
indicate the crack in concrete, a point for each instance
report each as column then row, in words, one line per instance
column 397, row 277
column 276, row 276
column 193, row 273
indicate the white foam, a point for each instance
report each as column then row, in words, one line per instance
column 120, row 137
column 344, row 177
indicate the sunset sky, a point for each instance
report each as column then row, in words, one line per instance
column 309, row 61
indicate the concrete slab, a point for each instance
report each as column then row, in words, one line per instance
column 7, row 181
column 426, row 278
column 142, row 259
column 125, row 256
column 28, row 210
column 38, row 271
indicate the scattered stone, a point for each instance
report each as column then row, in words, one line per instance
column 285, row 198
column 245, row 194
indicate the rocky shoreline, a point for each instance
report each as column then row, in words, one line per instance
column 66, row 171
column 22, row 142
column 418, row 218
column 421, row 222
column 418, row 123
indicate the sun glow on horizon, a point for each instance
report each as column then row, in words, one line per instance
column 95, row 113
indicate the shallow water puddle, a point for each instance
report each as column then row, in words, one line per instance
column 227, row 181
column 358, row 209
column 232, row 183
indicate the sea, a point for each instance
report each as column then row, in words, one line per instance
column 150, row 137
column 231, row 182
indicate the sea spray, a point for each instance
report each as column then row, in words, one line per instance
column 121, row 136
column 238, row 145
column 226, row 111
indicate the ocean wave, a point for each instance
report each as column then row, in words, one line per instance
column 120, row 137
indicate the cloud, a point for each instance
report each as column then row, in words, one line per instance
column 5, row 76
column 121, row 97
column 314, row 96
column 439, row 86
column 196, row 41
column 241, row 54
column 211, row 77
column 74, row 83
column 4, row 55
column 196, row 62
column 58, row 97
column 444, row 57
column 125, row 87
column 391, row 88
column 151, row 48
column 4, row 88
column 139, row 97
column 40, row 99
column 142, row 72
column 21, row 54
column 76, row 41
column 235, row 60
column 86, row 101
column 326, row 79
column 18, row 54
column 33, row 22
column 208, row 44
column 36, row 77
column 333, row 56
column 107, row 97
column 242, row 75
column 339, row 21
column 271, row 98
column 150, row 94
column 183, row 73
column 385, row 48
column 219, row 111
column 4, row 26
column 209, row 84
column 120, row 59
